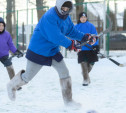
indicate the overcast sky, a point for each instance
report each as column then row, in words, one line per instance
column 21, row 4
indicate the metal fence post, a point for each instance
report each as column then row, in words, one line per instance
column 85, row 8
column 107, row 39
column 3, row 15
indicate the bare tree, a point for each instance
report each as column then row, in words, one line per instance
column 124, row 20
column 79, row 7
column 112, row 16
column 9, row 16
column 115, row 15
column 14, row 19
column 14, row 23
column 40, row 8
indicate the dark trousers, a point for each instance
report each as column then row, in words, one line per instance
column 6, row 61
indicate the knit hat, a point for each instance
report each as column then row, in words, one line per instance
column 82, row 14
column 2, row 21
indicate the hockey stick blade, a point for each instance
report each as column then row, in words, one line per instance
column 122, row 65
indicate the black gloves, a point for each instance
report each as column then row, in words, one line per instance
column 18, row 53
column 90, row 38
column 85, row 38
column 72, row 46
column 96, row 49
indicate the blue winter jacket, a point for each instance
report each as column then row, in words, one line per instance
column 87, row 27
column 50, row 33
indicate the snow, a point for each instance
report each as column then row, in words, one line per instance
column 105, row 94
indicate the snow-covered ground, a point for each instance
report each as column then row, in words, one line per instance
column 105, row 94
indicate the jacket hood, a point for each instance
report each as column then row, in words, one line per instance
column 59, row 4
column 2, row 21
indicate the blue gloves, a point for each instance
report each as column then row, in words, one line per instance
column 89, row 39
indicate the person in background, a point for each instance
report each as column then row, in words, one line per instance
column 44, row 49
column 6, row 45
column 88, row 54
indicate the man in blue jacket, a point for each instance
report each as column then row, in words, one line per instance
column 44, row 48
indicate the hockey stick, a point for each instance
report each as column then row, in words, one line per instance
column 115, row 62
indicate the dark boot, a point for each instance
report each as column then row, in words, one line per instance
column 90, row 66
column 85, row 73
column 11, row 73
column 14, row 84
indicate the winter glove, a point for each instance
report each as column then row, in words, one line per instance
column 96, row 49
column 86, row 37
column 93, row 39
column 18, row 53
column 90, row 38
column 77, row 43
column 72, row 46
